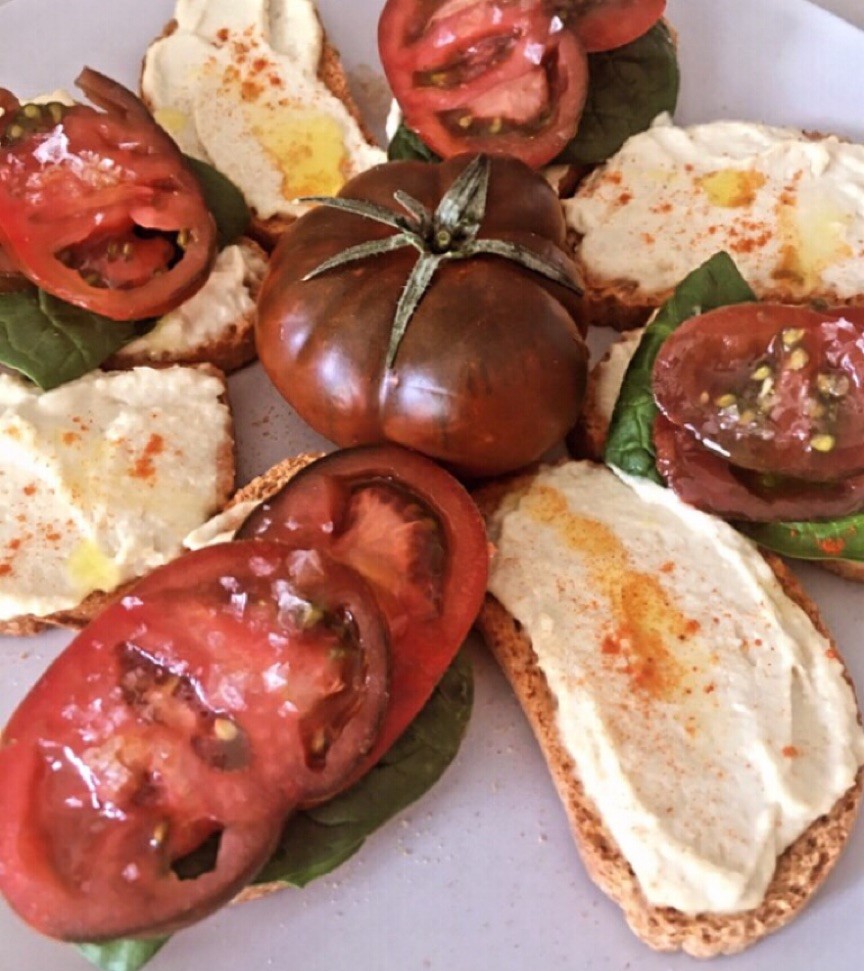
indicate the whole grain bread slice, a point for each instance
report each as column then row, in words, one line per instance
column 800, row 870
column 623, row 302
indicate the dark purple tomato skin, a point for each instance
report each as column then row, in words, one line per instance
column 491, row 371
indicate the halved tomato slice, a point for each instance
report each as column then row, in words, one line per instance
column 485, row 75
column 603, row 25
column 413, row 532
column 99, row 207
column 772, row 388
column 226, row 689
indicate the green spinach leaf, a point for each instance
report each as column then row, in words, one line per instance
column 52, row 341
column 223, row 199
column 409, row 146
column 826, row 540
column 126, row 955
column 630, row 444
column 628, row 87
column 317, row 840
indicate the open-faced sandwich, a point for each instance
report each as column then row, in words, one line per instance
column 192, row 739
column 697, row 719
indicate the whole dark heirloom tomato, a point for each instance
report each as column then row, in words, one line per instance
column 432, row 306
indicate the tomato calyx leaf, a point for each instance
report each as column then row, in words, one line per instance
column 450, row 233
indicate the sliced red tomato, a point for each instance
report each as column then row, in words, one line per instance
column 99, row 207
column 485, row 75
column 771, row 388
column 709, row 482
column 603, row 25
column 413, row 532
column 227, row 688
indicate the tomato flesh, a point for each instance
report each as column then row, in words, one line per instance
column 485, row 76
column 771, row 388
column 227, row 689
column 414, row 534
column 603, row 25
column 99, row 208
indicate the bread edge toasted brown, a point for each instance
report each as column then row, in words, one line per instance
column 77, row 617
column 800, row 870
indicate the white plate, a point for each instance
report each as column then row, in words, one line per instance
column 482, row 873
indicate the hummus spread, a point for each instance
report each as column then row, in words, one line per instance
column 709, row 721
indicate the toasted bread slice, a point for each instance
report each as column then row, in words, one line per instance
column 799, row 872
column 137, row 480
column 672, row 197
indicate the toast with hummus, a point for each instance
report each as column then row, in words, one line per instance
column 257, row 90
column 645, row 679
column 786, row 204
column 101, row 480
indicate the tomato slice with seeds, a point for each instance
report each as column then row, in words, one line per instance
column 485, row 75
column 711, row 483
column 99, row 207
column 226, row 689
column 413, row 532
column 603, row 25
column 771, row 388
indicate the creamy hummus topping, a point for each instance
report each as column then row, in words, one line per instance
column 708, row 719
column 236, row 84
column 788, row 208
column 102, row 478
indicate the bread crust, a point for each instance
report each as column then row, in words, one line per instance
column 800, row 870
column 79, row 616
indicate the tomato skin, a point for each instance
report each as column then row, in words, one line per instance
column 206, row 701
column 491, row 371
column 314, row 509
column 603, row 25
column 89, row 183
column 488, row 76
column 772, row 388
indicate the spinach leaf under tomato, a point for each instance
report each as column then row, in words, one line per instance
column 51, row 341
column 628, row 88
column 630, row 445
column 318, row 840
